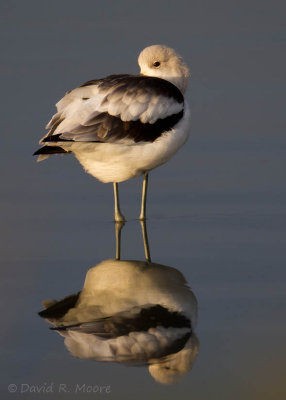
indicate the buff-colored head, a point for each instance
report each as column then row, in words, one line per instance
column 163, row 62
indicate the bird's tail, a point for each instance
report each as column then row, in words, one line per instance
column 46, row 151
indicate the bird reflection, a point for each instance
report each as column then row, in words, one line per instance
column 133, row 313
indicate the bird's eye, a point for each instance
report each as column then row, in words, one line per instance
column 156, row 64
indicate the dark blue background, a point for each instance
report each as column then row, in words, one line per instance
column 216, row 211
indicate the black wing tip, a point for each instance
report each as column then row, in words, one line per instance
column 55, row 138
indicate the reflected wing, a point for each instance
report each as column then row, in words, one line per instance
column 57, row 309
column 135, row 320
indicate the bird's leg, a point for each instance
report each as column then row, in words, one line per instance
column 117, row 213
column 144, row 197
column 145, row 241
column 118, row 228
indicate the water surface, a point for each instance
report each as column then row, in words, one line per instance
column 216, row 210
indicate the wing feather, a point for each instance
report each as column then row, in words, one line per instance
column 104, row 110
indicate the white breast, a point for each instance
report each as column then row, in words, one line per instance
column 114, row 162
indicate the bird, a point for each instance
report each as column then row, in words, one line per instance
column 130, row 312
column 123, row 126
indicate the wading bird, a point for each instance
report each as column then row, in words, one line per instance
column 123, row 126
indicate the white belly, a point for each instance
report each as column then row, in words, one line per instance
column 113, row 162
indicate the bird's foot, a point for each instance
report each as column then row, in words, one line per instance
column 119, row 217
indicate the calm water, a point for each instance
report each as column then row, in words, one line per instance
column 216, row 210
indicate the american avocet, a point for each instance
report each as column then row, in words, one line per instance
column 123, row 126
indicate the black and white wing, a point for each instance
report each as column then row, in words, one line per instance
column 138, row 319
column 116, row 108
column 140, row 334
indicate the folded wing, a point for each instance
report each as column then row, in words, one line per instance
column 116, row 108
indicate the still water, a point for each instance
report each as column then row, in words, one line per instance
column 222, row 270
column 216, row 212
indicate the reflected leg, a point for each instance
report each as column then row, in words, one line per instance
column 145, row 241
column 119, row 217
column 118, row 228
column 144, row 197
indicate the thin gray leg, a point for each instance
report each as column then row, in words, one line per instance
column 119, row 217
column 144, row 197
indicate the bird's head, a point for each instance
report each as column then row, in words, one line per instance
column 163, row 62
